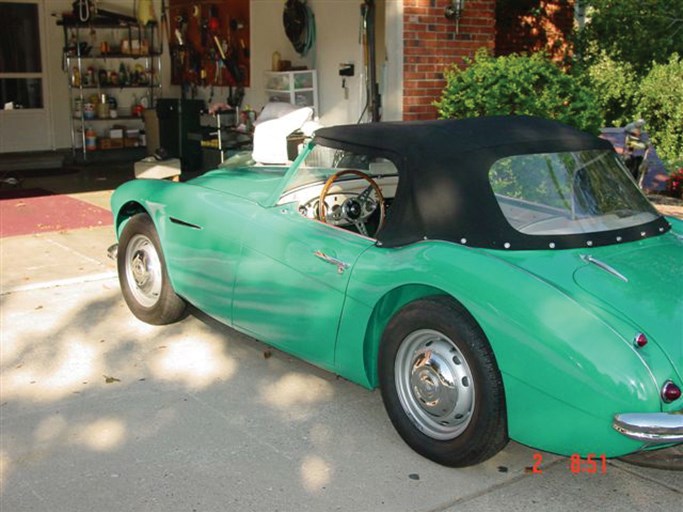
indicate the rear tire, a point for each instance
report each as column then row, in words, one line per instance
column 143, row 277
column 441, row 385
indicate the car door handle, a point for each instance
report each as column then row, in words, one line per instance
column 341, row 266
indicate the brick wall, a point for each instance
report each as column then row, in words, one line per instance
column 526, row 26
column 431, row 45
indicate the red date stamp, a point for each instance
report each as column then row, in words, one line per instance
column 591, row 464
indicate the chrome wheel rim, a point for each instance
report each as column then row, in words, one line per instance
column 434, row 384
column 143, row 270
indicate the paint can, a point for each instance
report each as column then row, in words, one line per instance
column 78, row 105
column 103, row 110
column 90, row 140
column 89, row 111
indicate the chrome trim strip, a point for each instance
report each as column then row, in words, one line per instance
column 604, row 266
column 183, row 223
column 341, row 266
column 651, row 427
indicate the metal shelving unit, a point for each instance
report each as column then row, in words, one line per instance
column 107, row 47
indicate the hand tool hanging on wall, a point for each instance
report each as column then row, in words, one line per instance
column 235, row 26
column 165, row 26
column 217, row 31
column 83, row 9
column 229, row 58
column 204, row 33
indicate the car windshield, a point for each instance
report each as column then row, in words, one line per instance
column 322, row 162
column 568, row 193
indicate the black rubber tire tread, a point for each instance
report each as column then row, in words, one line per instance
column 170, row 307
column 486, row 434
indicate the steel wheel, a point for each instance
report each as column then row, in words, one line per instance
column 434, row 384
column 144, row 280
column 440, row 383
column 143, row 270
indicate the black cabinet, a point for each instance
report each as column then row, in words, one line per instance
column 180, row 130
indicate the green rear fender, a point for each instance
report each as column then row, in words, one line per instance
column 564, row 369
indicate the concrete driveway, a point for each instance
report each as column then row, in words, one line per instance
column 101, row 412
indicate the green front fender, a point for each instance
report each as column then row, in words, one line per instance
column 139, row 196
column 566, row 372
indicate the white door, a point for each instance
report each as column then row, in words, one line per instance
column 23, row 78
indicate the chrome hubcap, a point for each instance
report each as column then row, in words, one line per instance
column 143, row 270
column 434, row 384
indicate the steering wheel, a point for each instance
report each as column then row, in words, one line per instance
column 354, row 210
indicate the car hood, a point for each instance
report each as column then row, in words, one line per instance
column 255, row 184
column 639, row 282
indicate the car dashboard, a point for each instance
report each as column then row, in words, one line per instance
column 342, row 195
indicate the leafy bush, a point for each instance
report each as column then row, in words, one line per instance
column 661, row 105
column 634, row 31
column 518, row 84
column 615, row 86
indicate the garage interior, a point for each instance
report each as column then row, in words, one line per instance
column 178, row 58
column 138, row 75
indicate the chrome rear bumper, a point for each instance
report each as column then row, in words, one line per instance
column 651, row 427
column 112, row 251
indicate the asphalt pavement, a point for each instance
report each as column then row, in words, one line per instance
column 101, row 412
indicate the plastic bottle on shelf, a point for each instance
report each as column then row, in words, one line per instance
column 90, row 139
column 103, row 107
column 113, row 106
column 123, row 75
column 78, row 107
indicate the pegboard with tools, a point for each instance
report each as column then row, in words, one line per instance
column 209, row 42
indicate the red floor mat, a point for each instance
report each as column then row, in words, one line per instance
column 36, row 213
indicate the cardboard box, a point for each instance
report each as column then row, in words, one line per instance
column 116, row 133
column 151, row 130
column 151, row 168
column 131, row 142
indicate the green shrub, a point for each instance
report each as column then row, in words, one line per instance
column 518, row 84
column 634, row 31
column 661, row 105
column 615, row 86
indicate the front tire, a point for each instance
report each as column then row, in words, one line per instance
column 441, row 385
column 142, row 273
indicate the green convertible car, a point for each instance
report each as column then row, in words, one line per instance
column 497, row 278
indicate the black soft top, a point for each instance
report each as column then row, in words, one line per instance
column 444, row 191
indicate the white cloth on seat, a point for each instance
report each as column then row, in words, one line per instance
column 276, row 122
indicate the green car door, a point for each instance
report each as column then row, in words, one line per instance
column 291, row 281
column 203, row 254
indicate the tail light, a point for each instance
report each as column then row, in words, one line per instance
column 670, row 392
column 640, row 340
